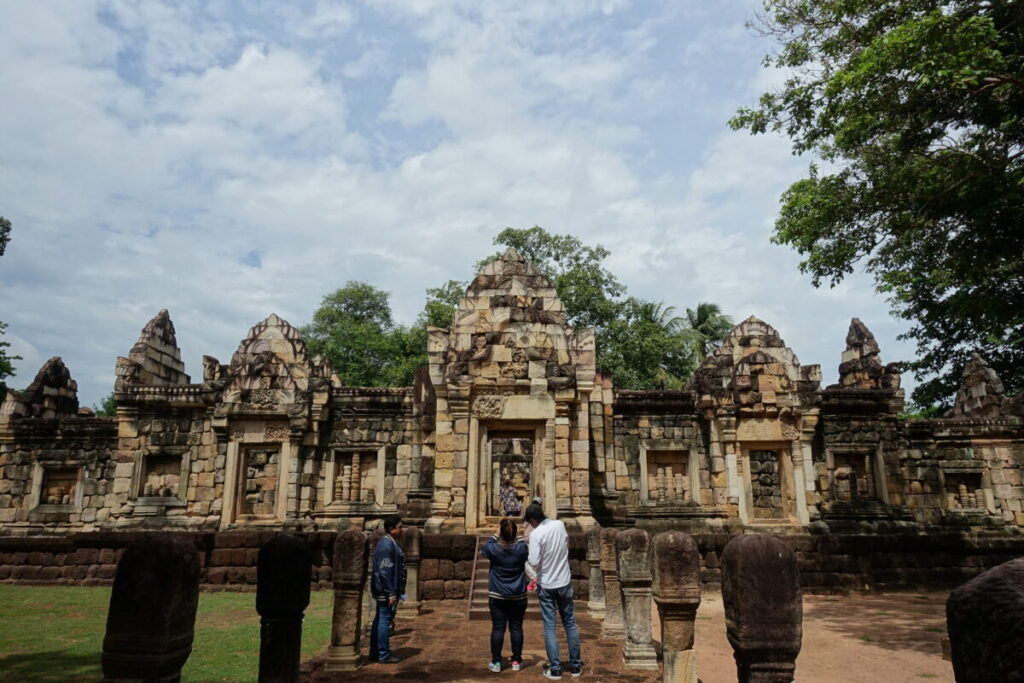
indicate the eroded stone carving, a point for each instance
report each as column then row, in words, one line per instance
column 763, row 608
column 633, row 556
column 152, row 614
column 676, row 575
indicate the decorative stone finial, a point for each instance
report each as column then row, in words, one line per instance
column 981, row 395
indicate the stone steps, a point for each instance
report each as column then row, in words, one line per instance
column 478, row 609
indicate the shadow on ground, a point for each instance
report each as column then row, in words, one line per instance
column 50, row 666
column 915, row 622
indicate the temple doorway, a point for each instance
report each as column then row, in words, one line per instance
column 511, row 460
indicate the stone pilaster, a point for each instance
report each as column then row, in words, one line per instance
column 350, row 557
column 633, row 554
column 612, row 626
column 763, row 608
column 595, row 606
column 676, row 572
column 410, row 543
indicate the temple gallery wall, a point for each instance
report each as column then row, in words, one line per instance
column 274, row 439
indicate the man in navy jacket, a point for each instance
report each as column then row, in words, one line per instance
column 386, row 586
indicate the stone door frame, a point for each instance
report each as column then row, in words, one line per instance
column 787, row 481
column 478, row 489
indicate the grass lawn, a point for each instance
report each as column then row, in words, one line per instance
column 55, row 633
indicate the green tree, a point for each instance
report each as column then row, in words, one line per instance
column 647, row 347
column 706, row 327
column 354, row 329
column 917, row 108
column 6, row 360
column 107, row 407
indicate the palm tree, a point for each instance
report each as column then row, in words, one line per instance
column 706, row 327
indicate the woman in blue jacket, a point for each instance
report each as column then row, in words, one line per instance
column 506, row 586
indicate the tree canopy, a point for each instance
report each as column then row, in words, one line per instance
column 916, row 108
column 643, row 344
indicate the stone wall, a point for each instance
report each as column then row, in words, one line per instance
column 828, row 563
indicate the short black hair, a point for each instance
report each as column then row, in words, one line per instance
column 534, row 513
column 391, row 521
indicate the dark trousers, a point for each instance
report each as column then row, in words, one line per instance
column 507, row 613
column 380, row 630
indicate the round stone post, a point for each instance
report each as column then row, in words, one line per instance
column 595, row 606
column 350, row 555
column 763, row 608
column 152, row 614
column 676, row 574
column 410, row 544
column 283, row 573
column 634, row 561
column 983, row 618
column 612, row 626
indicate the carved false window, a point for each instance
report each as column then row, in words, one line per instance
column 59, row 486
column 853, row 477
column 161, row 476
column 355, row 477
column 259, row 480
column 964, row 491
column 668, row 477
column 766, row 484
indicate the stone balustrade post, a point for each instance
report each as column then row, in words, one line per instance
column 152, row 614
column 351, row 549
column 612, row 626
column 676, row 572
column 283, row 574
column 763, row 608
column 983, row 619
column 633, row 552
column 410, row 544
column 595, row 606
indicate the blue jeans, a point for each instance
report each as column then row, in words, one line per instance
column 380, row 631
column 560, row 599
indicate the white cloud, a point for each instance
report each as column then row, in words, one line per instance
column 147, row 150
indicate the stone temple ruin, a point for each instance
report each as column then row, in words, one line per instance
column 275, row 439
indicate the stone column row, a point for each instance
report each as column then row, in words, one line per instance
column 760, row 589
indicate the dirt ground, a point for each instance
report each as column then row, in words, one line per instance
column 877, row 638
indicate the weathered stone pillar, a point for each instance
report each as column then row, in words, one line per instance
column 634, row 561
column 283, row 573
column 763, row 608
column 152, row 615
column 985, row 625
column 410, row 544
column 677, row 595
column 595, row 606
column 612, row 626
column 350, row 555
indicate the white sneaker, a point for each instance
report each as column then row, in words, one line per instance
column 516, row 666
column 494, row 667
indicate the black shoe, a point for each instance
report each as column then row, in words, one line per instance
column 553, row 674
column 576, row 671
column 392, row 659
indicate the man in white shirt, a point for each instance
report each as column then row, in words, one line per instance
column 549, row 556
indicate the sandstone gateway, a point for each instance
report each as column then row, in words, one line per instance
column 274, row 439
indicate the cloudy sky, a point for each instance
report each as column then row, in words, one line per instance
column 229, row 160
